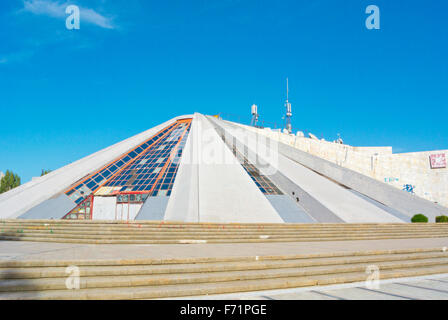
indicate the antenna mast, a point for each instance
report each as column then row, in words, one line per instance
column 288, row 109
column 254, row 111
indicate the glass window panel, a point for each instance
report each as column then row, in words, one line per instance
column 106, row 173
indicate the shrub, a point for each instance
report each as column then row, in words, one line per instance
column 442, row 219
column 419, row 218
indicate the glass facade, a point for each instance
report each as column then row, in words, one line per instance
column 263, row 182
column 83, row 211
column 150, row 169
column 155, row 169
column 89, row 185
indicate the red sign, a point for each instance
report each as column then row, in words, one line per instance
column 437, row 161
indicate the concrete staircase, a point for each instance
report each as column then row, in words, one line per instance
column 168, row 278
column 157, row 232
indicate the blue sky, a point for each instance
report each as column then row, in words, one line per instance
column 65, row 94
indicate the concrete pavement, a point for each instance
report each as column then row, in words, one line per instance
column 28, row 250
column 433, row 287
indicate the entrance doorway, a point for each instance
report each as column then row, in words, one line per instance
column 128, row 205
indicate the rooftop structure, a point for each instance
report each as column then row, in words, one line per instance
column 288, row 109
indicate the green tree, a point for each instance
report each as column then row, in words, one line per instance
column 44, row 172
column 9, row 181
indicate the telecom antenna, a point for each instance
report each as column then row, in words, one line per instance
column 288, row 109
column 254, row 111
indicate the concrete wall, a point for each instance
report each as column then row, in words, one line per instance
column 399, row 200
column 183, row 204
column 293, row 194
column 153, row 209
column 133, row 210
column 288, row 210
column 347, row 206
column 53, row 208
column 411, row 171
column 104, row 208
column 225, row 192
column 19, row 200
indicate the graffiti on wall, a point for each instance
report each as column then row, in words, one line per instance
column 390, row 179
column 409, row 188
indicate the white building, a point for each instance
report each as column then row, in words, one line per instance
column 198, row 168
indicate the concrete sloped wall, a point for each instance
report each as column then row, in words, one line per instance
column 153, row 209
column 19, row 200
column 397, row 199
column 402, row 201
column 54, row 208
column 183, row 204
column 225, row 192
column 399, row 170
column 306, row 207
column 337, row 199
column 288, row 210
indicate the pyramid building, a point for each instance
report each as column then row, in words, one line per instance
column 198, row 168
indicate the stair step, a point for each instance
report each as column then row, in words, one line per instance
column 229, row 230
column 194, row 289
column 219, row 240
column 157, row 225
column 151, row 261
column 210, row 276
column 133, row 236
column 218, row 233
column 160, row 232
column 119, row 270
column 170, row 232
